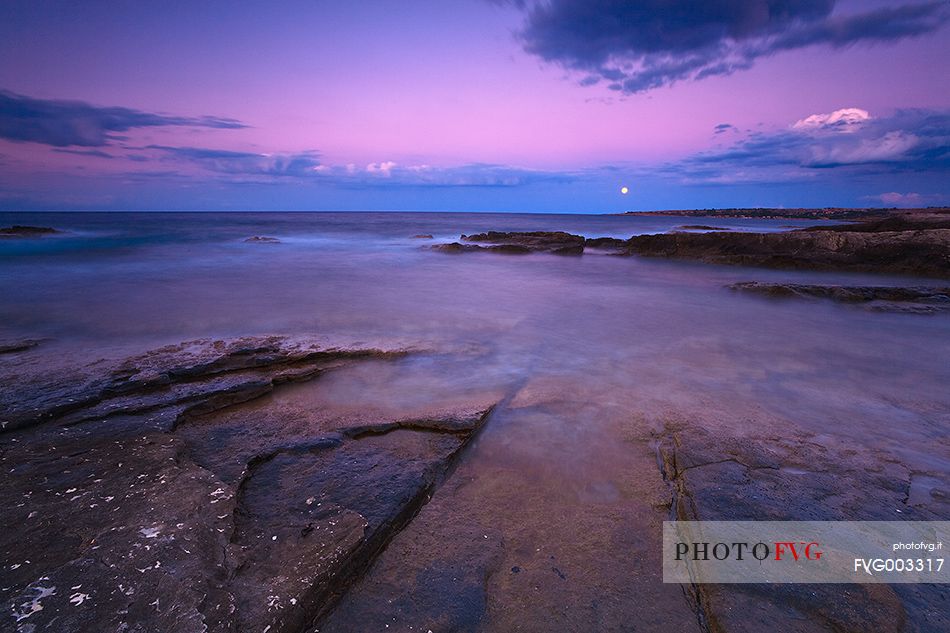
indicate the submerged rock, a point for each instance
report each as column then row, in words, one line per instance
column 917, row 299
column 11, row 347
column 422, row 236
column 701, row 227
column 262, row 239
column 18, row 230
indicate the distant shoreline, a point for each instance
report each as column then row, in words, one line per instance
column 804, row 213
column 760, row 213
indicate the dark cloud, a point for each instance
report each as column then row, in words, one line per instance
column 235, row 166
column 244, row 163
column 849, row 139
column 75, row 123
column 643, row 44
column 389, row 175
column 95, row 153
column 723, row 127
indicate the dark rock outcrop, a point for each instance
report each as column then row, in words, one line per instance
column 422, row 236
column 164, row 499
column 515, row 243
column 902, row 243
column 555, row 242
column 612, row 244
column 914, row 252
column 262, row 239
column 917, row 299
column 901, row 222
column 18, row 230
column 504, row 249
column 700, row 227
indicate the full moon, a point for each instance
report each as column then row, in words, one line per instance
column 624, row 190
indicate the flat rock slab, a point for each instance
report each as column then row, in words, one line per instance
column 172, row 497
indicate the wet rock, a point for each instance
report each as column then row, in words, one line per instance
column 173, row 497
column 262, row 239
column 18, row 230
column 191, row 375
column 916, row 300
column 503, row 249
column 456, row 248
column 11, row 347
column 554, row 242
column 700, row 227
column 422, row 236
column 606, row 243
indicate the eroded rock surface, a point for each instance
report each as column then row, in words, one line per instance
column 168, row 494
column 914, row 300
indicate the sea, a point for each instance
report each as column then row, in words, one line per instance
column 599, row 354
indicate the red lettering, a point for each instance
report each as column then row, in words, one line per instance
column 780, row 548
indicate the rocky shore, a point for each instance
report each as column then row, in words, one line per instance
column 904, row 243
column 167, row 493
column 192, row 488
column 827, row 213
column 920, row 252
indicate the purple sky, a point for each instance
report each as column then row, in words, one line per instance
column 474, row 105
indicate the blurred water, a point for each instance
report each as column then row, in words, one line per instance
column 660, row 337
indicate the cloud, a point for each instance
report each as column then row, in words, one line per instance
column 239, row 166
column 234, row 163
column 637, row 45
column 385, row 168
column 95, row 153
column 910, row 199
column 908, row 141
column 846, row 120
column 79, row 124
column 387, row 174
column 724, row 127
